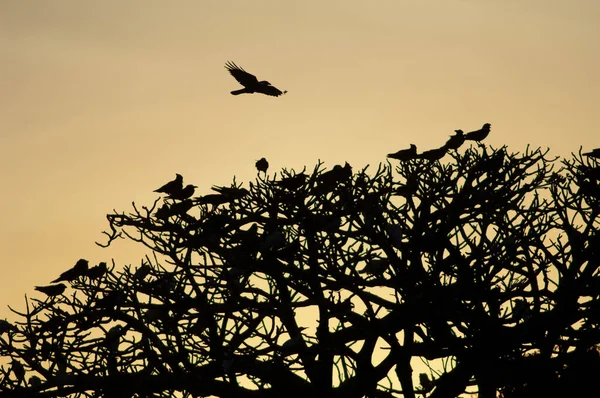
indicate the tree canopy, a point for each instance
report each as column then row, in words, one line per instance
column 476, row 275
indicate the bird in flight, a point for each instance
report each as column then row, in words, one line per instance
column 405, row 154
column 251, row 83
column 595, row 153
column 479, row 135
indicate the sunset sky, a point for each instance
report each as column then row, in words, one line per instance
column 101, row 102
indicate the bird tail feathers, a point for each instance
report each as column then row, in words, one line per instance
column 238, row 92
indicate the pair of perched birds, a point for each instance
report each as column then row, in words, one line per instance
column 81, row 268
column 175, row 189
column 454, row 142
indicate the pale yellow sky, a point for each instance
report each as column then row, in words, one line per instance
column 103, row 101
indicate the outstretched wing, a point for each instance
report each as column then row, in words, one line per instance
column 270, row 90
column 244, row 78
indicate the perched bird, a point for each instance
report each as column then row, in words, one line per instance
column 231, row 193
column 6, row 326
column 405, row 154
column 455, row 140
column 142, row 272
column 79, row 269
column 262, row 165
column 214, row 199
column 479, row 135
column 337, row 174
column 183, row 194
column 291, row 183
column 18, row 369
column 172, row 187
column 294, row 342
column 408, row 189
column 433, row 154
column 251, row 83
column 595, row 153
column 52, row 290
column 112, row 337
column 97, row 271
column 35, row 381
column 376, row 266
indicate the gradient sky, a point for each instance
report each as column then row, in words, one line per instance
column 103, row 101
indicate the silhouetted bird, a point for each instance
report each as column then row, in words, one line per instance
column 231, row 193
column 408, row 189
column 293, row 343
column 251, row 83
column 52, row 290
column 97, row 271
column 141, row 273
column 291, row 183
column 79, row 269
column 18, row 369
column 34, row 381
column 337, row 174
column 112, row 337
column 183, row 194
column 172, row 187
column 214, row 199
column 479, row 135
column 594, row 154
column 405, row 154
column 376, row 266
column 262, row 165
column 433, row 154
column 455, row 140
column 6, row 326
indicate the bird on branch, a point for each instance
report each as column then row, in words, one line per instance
column 262, row 165
column 595, row 153
column 79, row 269
column 479, row 135
column 405, row 154
column 456, row 140
column 172, row 187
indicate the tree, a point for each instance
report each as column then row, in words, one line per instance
column 335, row 284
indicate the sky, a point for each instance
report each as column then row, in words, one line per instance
column 103, row 102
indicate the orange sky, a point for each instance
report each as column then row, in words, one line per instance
column 103, row 101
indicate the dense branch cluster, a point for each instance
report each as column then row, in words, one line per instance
column 334, row 283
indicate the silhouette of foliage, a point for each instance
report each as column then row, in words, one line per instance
column 483, row 269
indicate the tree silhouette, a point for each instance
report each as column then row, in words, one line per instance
column 482, row 272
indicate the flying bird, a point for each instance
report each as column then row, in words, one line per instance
column 251, row 83
column 456, row 140
column 79, row 269
column 262, row 165
column 595, row 153
column 405, row 154
column 52, row 290
column 172, row 187
column 183, row 194
column 479, row 135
